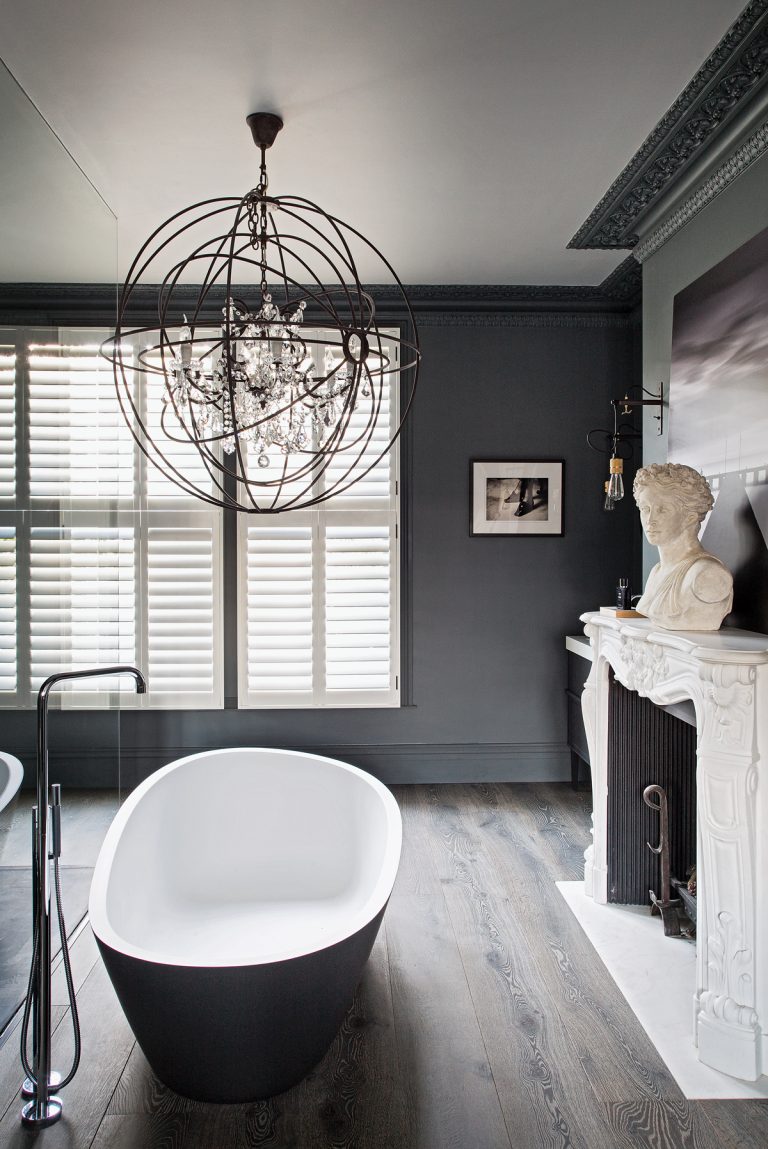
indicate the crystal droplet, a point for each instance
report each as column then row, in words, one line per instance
column 263, row 460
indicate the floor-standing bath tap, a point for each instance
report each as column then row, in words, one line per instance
column 44, row 1108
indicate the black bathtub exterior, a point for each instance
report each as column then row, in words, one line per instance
column 239, row 1033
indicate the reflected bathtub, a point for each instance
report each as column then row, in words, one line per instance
column 235, row 902
column 11, row 777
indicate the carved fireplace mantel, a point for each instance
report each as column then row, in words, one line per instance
column 725, row 675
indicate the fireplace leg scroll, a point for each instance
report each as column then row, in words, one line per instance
column 594, row 708
column 726, row 1015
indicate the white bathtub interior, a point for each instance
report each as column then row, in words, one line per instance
column 247, row 857
column 11, row 777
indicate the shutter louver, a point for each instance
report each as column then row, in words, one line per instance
column 80, row 450
column 7, row 424
column 8, row 659
column 181, row 601
column 82, row 603
column 183, row 455
column 358, row 608
column 373, row 488
column 279, row 610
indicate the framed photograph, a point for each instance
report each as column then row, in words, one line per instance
column 516, row 497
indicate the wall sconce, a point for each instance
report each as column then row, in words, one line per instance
column 618, row 443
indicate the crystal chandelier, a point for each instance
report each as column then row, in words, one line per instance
column 287, row 399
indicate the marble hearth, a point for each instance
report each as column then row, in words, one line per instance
column 725, row 676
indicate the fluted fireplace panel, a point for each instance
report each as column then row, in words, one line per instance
column 646, row 746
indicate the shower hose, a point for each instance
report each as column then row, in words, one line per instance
column 33, row 979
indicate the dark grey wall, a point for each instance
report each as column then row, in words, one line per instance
column 489, row 615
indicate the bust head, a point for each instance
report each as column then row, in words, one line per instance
column 688, row 589
column 673, row 500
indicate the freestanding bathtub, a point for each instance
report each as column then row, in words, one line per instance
column 235, row 902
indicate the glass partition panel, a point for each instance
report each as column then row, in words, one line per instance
column 55, row 228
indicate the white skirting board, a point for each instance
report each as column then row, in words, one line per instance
column 657, row 976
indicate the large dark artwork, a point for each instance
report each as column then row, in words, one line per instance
column 719, row 414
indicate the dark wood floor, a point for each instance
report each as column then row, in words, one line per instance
column 484, row 1019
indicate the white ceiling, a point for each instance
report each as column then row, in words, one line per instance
column 468, row 139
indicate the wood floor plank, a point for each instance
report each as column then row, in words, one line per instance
column 355, row 1096
column 590, row 1003
column 543, row 1090
column 106, row 1044
column 138, row 1092
column 651, row 1124
column 142, row 1131
column 615, row 1053
column 450, row 1094
column 737, row 1124
column 233, row 1127
column 562, row 823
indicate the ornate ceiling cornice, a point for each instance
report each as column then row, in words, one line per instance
column 729, row 78
column 95, row 304
column 744, row 156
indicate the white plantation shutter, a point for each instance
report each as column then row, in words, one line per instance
column 9, row 661
column 359, row 579
column 82, row 604
column 101, row 562
column 183, row 598
column 373, row 480
column 182, row 455
column 318, row 610
column 80, row 451
column 318, row 590
column 278, row 611
column 8, row 658
column 7, row 424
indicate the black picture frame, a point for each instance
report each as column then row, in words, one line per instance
column 516, row 497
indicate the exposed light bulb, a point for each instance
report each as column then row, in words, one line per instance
column 615, row 486
column 609, row 504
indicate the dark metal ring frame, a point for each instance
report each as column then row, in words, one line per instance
column 221, row 252
column 199, row 442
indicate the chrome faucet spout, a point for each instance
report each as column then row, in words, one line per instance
column 96, row 672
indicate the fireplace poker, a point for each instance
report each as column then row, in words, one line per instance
column 664, row 904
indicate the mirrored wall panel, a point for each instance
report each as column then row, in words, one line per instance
column 55, row 228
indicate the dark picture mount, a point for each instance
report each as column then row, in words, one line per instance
column 516, row 497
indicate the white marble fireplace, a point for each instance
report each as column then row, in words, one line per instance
column 725, row 676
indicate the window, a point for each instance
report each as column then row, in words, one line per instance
column 101, row 563
column 319, row 619
column 103, row 560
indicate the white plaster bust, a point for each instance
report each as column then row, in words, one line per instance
column 688, row 589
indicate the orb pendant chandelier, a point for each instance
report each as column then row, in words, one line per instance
column 269, row 385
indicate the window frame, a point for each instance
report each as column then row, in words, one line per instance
column 354, row 512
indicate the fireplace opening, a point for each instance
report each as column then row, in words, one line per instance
column 648, row 746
